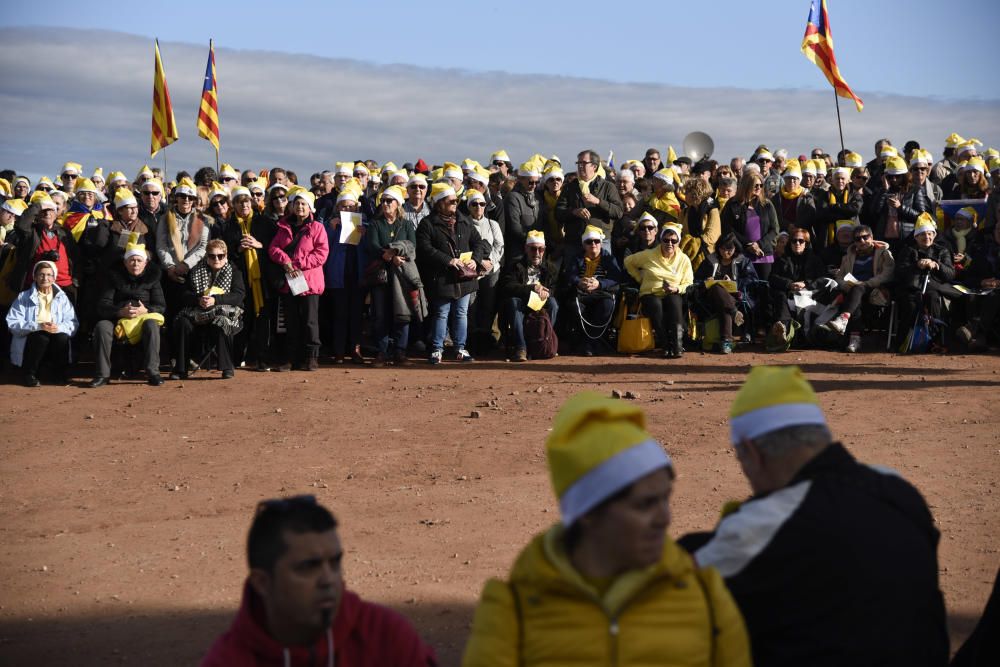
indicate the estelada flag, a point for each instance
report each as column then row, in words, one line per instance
column 817, row 45
column 164, row 127
column 208, row 113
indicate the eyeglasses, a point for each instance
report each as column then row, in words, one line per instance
column 228, row 178
column 798, row 241
column 533, row 184
column 862, row 237
column 284, row 504
column 256, row 194
column 592, row 242
column 757, row 186
column 580, row 164
column 281, row 197
column 220, row 202
column 920, row 168
column 498, row 163
column 215, row 256
column 478, row 204
column 859, row 177
column 451, row 202
column 670, row 240
column 65, row 176
column 416, row 187
column 649, row 228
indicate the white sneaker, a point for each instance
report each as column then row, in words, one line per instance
column 435, row 357
column 839, row 323
column 854, row 344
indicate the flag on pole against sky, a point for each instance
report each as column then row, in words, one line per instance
column 164, row 127
column 611, row 159
column 208, row 113
column 817, row 45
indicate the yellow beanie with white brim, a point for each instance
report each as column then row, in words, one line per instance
column 598, row 446
column 773, row 398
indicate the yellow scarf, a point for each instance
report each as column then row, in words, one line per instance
column 130, row 328
column 590, row 266
column 831, row 228
column 667, row 203
column 253, row 266
column 555, row 230
column 585, row 185
column 792, row 195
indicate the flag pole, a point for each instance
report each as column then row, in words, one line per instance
column 836, row 99
column 166, row 177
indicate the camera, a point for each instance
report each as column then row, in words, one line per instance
column 49, row 256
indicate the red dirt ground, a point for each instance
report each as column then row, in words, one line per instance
column 123, row 511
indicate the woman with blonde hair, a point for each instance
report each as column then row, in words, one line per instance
column 700, row 221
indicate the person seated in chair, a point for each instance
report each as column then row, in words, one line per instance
column 41, row 322
column 532, row 273
column 213, row 307
column 923, row 274
column 131, row 307
column 727, row 263
column 870, row 266
column 595, row 278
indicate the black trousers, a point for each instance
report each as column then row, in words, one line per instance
column 301, row 327
column 42, row 346
column 184, row 333
column 666, row 313
column 104, row 336
column 724, row 306
column 254, row 339
column 344, row 305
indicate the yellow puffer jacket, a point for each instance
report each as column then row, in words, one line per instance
column 668, row 614
column 651, row 269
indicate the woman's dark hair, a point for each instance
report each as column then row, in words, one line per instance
column 180, row 175
column 205, row 176
column 729, row 240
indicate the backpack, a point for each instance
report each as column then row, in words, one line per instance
column 539, row 336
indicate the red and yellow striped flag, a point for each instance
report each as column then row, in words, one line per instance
column 208, row 114
column 817, row 45
column 164, row 127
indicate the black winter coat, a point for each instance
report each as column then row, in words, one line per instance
column 436, row 247
column 603, row 214
column 122, row 288
column 514, row 279
column 234, row 297
column 734, row 220
column 790, row 268
column 263, row 227
column 910, row 277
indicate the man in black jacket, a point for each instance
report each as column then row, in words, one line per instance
column 589, row 200
column 531, row 274
column 133, row 290
column 832, row 562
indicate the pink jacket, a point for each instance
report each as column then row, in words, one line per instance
column 362, row 635
column 309, row 255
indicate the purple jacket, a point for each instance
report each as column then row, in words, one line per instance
column 308, row 256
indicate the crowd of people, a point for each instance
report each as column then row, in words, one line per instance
column 376, row 264
column 830, row 562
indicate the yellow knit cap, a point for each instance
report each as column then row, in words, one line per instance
column 535, row 237
column 925, row 223
column 772, row 398
column 597, row 447
column 793, row 170
column 895, row 166
column 441, row 190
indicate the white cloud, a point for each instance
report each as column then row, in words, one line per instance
column 86, row 96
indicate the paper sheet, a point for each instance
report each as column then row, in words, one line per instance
column 728, row 285
column 804, row 299
column 535, row 302
column 465, row 257
column 850, row 279
column 298, row 284
column 350, row 228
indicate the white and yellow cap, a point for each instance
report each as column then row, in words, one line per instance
column 499, row 156
column 228, row 171
column 598, row 446
column 260, row 185
column 362, row 168
column 153, row 184
column 994, row 164
column 472, row 195
column 854, row 160
column 117, row 177
column 529, row 170
column 344, row 169
column 72, row 168
column 18, row 179
column 671, row 227
column 135, row 250
column 648, row 217
column 441, row 190
column 793, row 170
column 921, row 156
column 389, row 167
column 969, row 213
column 394, row 192
column 773, row 398
column 468, row 164
column 299, row 192
column 535, row 237
column 98, row 175
column 888, row 151
column 479, row 174
column 974, row 164
column 925, row 223
column 592, row 232
column 451, row 170
column 124, row 197
column 144, row 172
column 218, row 190
column 557, row 172
column 184, row 187
column 239, row 191
column 809, row 167
column 953, row 140
column 666, row 175
column 14, row 206
column 45, row 201
column 895, row 166
column 86, row 185
column 763, row 155
column 969, row 145
column 416, row 179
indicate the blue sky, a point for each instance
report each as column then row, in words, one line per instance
column 883, row 47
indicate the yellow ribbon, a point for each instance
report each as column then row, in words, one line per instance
column 253, row 267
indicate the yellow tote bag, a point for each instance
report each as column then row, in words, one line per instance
column 635, row 333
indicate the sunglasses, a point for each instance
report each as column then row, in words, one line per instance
column 533, row 184
column 478, row 204
column 798, row 241
column 592, row 242
column 215, row 256
column 228, row 179
column 862, row 237
column 416, row 187
column 670, row 240
column 580, row 164
column 451, row 202
column 757, row 186
column 649, row 228
column 284, row 504
column 498, row 163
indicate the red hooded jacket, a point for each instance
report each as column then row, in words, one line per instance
column 363, row 635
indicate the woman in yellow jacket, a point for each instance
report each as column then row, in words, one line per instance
column 664, row 273
column 607, row 586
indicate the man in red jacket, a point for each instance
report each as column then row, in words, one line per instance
column 296, row 610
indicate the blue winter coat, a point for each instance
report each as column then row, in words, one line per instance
column 22, row 319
